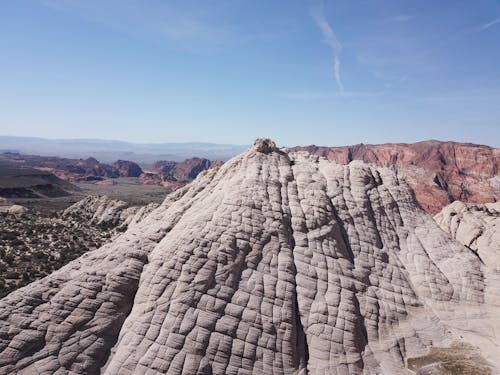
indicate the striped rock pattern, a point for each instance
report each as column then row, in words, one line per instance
column 275, row 263
column 476, row 226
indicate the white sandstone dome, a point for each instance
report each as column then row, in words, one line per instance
column 275, row 263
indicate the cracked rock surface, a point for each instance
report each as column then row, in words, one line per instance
column 275, row 263
column 104, row 211
column 438, row 172
column 476, row 226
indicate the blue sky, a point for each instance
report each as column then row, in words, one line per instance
column 327, row 72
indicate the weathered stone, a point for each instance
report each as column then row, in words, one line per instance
column 102, row 210
column 276, row 263
column 14, row 209
column 476, row 226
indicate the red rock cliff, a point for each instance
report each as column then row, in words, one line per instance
column 438, row 172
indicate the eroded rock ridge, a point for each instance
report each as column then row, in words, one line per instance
column 275, row 263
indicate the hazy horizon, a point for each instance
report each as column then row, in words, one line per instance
column 299, row 72
column 248, row 144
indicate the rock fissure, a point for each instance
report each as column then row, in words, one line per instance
column 302, row 347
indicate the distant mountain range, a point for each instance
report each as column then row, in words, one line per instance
column 110, row 150
column 438, row 172
column 167, row 173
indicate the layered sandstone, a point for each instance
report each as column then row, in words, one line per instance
column 275, row 263
column 174, row 175
column 184, row 171
column 438, row 172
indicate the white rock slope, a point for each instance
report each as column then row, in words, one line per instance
column 275, row 263
column 104, row 211
column 476, row 226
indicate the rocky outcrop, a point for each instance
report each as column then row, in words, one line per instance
column 104, row 211
column 174, row 175
column 10, row 208
column 476, row 226
column 98, row 209
column 275, row 263
column 438, row 172
column 185, row 171
column 14, row 209
column 127, row 168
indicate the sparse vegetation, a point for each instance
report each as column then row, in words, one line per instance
column 40, row 241
column 459, row 359
column 34, row 245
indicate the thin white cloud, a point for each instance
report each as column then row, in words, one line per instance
column 480, row 95
column 319, row 95
column 336, row 69
column 331, row 40
column 362, row 94
column 489, row 24
column 438, row 99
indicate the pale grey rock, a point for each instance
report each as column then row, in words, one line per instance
column 14, row 209
column 102, row 210
column 133, row 215
column 495, row 183
column 98, row 209
column 476, row 226
column 276, row 263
